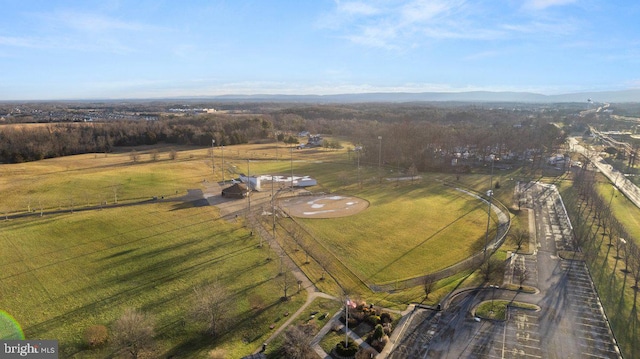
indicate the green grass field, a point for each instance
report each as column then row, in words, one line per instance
column 428, row 226
column 63, row 272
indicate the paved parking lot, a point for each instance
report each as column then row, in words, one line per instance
column 570, row 324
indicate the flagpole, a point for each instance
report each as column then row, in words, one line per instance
column 346, row 324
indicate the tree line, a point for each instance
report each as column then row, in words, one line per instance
column 603, row 239
column 423, row 137
column 22, row 143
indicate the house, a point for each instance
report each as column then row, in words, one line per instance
column 237, row 190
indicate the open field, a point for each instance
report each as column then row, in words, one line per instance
column 404, row 219
column 63, row 272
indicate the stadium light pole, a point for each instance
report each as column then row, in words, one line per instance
column 249, row 189
column 358, row 152
column 380, row 157
column 213, row 164
column 222, row 168
column 490, row 195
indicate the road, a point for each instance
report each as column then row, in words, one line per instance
column 570, row 323
column 619, row 180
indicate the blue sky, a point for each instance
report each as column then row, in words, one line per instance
column 151, row 48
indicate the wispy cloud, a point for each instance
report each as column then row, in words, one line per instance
column 388, row 24
column 482, row 55
column 18, row 42
column 543, row 4
column 91, row 22
column 82, row 31
column 555, row 28
column 357, row 8
column 394, row 25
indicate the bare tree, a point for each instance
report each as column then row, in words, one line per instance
column 518, row 236
column 133, row 333
column 412, row 171
column 154, row 155
column 212, row 307
column 428, row 285
column 116, row 187
column 135, row 156
column 491, row 267
column 297, row 235
column 297, row 342
column 634, row 263
column 285, row 285
column 521, row 274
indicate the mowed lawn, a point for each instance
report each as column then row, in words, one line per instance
column 407, row 231
column 91, row 179
column 60, row 274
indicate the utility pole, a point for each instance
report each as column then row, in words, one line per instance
column 222, row 168
column 291, row 168
column 213, row 164
column 490, row 195
column 380, row 157
column 359, row 183
column 249, row 191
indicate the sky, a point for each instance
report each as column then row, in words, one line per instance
column 117, row 49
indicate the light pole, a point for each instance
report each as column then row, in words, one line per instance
column 249, row 193
column 490, row 195
column 626, row 258
column 213, row 164
column 613, row 191
column 222, row 168
column 358, row 154
column 291, row 165
column 486, row 238
column 380, row 157
column 493, row 294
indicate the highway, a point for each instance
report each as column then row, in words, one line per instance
column 618, row 178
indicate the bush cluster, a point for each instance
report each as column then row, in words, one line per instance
column 346, row 351
column 95, row 336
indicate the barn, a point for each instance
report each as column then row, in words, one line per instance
column 238, row 190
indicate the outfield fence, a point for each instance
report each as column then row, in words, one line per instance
column 330, row 263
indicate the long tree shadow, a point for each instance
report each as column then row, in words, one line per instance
column 123, row 295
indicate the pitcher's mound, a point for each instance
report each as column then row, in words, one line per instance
column 326, row 206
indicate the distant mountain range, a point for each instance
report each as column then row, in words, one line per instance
column 470, row 96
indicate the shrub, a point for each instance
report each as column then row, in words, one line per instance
column 387, row 328
column 379, row 344
column 217, row 354
column 96, row 335
column 133, row 333
column 373, row 319
column 378, row 332
column 348, row 351
column 386, row 318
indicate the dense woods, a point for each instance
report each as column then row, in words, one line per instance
column 34, row 142
column 405, row 136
